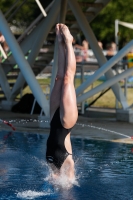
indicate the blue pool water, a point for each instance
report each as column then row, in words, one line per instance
column 104, row 170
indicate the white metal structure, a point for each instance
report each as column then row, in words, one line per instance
column 33, row 41
column 117, row 23
column 41, row 8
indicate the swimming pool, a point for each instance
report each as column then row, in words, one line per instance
column 104, row 169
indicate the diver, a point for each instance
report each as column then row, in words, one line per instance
column 63, row 107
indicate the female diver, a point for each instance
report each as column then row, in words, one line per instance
column 63, row 107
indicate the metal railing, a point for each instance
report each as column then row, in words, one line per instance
column 101, row 71
column 33, row 24
column 3, row 52
column 11, row 8
column 16, row 10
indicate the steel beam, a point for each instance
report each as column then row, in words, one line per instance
column 105, row 67
column 43, row 32
column 3, row 52
column 38, row 36
column 4, row 83
column 85, row 27
column 24, row 65
column 26, row 44
column 105, row 85
column 41, row 8
column 62, row 15
column 34, row 22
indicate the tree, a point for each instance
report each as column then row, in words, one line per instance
column 27, row 12
column 104, row 24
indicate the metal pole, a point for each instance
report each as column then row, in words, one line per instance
column 63, row 9
column 39, row 35
column 30, row 27
column 41, row 8
column 82, row 80
column 61, row 19
column 3, row 52
column 54, row 65
column 4, row 83
column 25, row 46
column 11, row 8
column 10, row 17
column 84, row 25
column 117, row 34
column 117, row 49
column 104, row 85
column 125, row 88
column 43, row 32
column 19, row 84
column 27, row 42
column 34, row 22
column 105, row 67
column 23, row 64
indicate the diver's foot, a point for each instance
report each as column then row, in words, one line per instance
column 58, row 33
column 68, row 38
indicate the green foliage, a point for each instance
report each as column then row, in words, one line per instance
column 27, row 12
column 104, row 24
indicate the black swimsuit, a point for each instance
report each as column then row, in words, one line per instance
column 56, row 152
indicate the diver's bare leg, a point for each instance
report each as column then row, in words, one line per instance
column 56, row 92
column 68, row 106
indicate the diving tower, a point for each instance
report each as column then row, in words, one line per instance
column 26, row 49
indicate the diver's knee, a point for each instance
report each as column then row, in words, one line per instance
column 68, row 77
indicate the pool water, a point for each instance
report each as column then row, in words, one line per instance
column 104, row 169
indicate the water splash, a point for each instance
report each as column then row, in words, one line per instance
column 29, row 194
column 61, row 181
